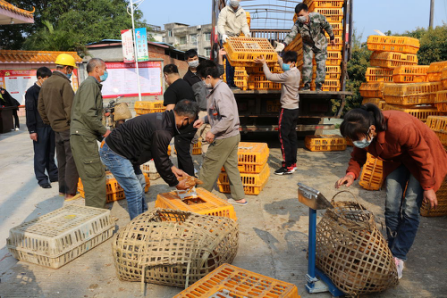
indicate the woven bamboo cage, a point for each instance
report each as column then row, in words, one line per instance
column 352, row 251
column 173, row 247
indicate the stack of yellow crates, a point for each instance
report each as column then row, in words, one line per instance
column 113, row 190
column 333, row 11
column 149, row 106
column 252, row 164
column 437, row 72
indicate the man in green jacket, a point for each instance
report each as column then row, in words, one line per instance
column 86, row 129
column 54, row 106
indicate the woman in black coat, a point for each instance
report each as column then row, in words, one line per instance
column 8, row 101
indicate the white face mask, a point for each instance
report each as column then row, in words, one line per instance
column 363, row 143
column 193, row 64
column 234, row 3
column 302, row 19
column 208, row 85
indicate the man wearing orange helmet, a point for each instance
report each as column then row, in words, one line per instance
column 54, row 105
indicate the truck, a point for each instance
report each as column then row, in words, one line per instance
column 259, row 109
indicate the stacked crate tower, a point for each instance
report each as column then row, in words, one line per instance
column 395, row 81
column 252, row 164
column 333, row 11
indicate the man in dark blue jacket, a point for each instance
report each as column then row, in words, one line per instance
column 41, row 134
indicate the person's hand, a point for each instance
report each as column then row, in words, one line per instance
column 279, row 47
column 333, row 43
column 107, row 133
column 178, row 173
column 33, row 136
column 260, row 59
column 222, row 52
column 182, row 185
column 430, row 197
column 198, row 123
column 348, row 180
column 225, row 38
column 248, row 34
column 209, row 137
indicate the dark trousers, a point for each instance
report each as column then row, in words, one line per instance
column 68, row 174
column 44, row 150
column 90, row 168
column 229, row 71
column 16, row 119
column 287, row 135
column 182, row 144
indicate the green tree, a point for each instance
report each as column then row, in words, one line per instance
column 70, row 25
column 433, row 44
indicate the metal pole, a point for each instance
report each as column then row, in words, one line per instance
column 432, row 11
column 136, row 50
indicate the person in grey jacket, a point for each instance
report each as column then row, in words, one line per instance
column 224, row 136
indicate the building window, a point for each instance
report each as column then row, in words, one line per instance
column 207, row 52
column 207, row 36
column 170, row 33
column 182, row 40
column 193, row 38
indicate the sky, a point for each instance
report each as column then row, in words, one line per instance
column 395, row 15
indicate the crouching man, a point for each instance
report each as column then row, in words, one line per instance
column 141, row 139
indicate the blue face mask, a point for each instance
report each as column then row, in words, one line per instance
column 104, row 76
column 363, row 143
column 69, row 75
column 285, row 67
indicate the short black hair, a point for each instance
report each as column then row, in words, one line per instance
column 187, row 108
column 208, row 68
column 43, row 72
column 290, row 56
column 191, row 54
column 93, row 63
column 357, row 121
column 170, row 69
column 299, row 7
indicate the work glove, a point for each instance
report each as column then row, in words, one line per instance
column 225, row 38
column 279, row 47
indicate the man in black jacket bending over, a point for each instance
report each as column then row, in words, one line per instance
column 141, row 139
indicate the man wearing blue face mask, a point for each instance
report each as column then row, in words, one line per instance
column 288, row 116
column 54, row 105
column 86, row 129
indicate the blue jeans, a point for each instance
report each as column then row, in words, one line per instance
column 124, row 173
column 402, row 214
column 229, row 73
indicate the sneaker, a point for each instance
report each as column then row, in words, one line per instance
column 306, row 87
column 293, row 167
column 318, row 87
column 400, row 266
column 284, row 171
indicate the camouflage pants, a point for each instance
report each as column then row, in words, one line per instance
column 320, row 57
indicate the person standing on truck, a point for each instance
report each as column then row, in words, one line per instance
column 179, row 90
column 54, row 105
column 414, row 166
column 141, row 139
column 232, row 21
column 311, row 26
column 42, row 135
column 288, row 117
column 224, row 136
column 86, row 129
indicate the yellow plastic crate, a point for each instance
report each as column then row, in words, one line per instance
column 147, row 107
column 420, row 113
column 325, row 143
column 372, row 100
column 372, row 89
column 206, row 204
column 260, row 70
column 410, row 74
column 379, row 74
column 59, row 237
column 253, row 183
column 337, row 29
column 264, row 85
column 334, row 58
column 441, row 101
column 411, row 89
column 444, row 78
column 405, row 45
column 228, row 281
column 333, row 15
column 392, row 60
column 372, row 173
column 441, row 209
column 241, row 51
column 333, row 72
column 439, row 125
column 326, row 4
column 331, row 85
column 252, row 153
column 434, row 72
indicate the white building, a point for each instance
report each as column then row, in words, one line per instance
column 184, row 37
